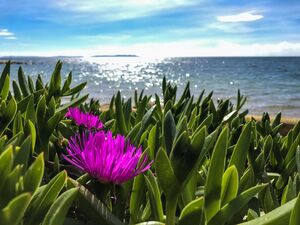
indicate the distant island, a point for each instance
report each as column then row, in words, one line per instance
column 114, row 56
column 12, row 62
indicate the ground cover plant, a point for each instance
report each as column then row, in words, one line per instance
column 183, row 159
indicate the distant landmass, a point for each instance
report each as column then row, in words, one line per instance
column 114, row 56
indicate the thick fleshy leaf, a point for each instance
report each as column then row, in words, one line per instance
column 6, row 163
column 154, row 196
column 239, row 155
column 22, row 155
column 34, row 174
column 295, row 216
column 4, row 73
column 23, row 82
column 165, row 174
column 32, row 134
column 73, row 103
column 213, row 184
column 8, row 115
column 67, row 83
column 169, row 131
column 55, row 80
column 17, row 91
column 230, row 185
column 137, row 197
column 153, row 141
column 40, row 205
column 93, row 207
column 13, row 213
column 141, row 110
column 5, row 89
column 145, row 122
column 57, row 212
column 278, row 216
column 289, row 192
column 120, row 115
column 75, row 90
column 192, row 213
column 229, row 210
column 185, row 154
column 30, row 111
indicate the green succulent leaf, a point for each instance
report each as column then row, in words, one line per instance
column 239, row 155
column 120, row 114
column 230, row 185
column 75, row 90
column 193, row 213
column 169, row 131
column 8, row 114
column 5, row 89
column 165, row 174
column 23, row 82
column 295, row 215
column 34, row 175
column 234, row 206
column 6, row 163
column 155, row 198
column 278, row 216
column 57, row 212
column 13, row 213
column 5, row 72
column 73, row 103
column 55, row 80
column 212, row 201
column 41, row 204
column 137, row 198
column 93, row 207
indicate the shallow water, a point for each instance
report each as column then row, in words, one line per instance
column 270, row 83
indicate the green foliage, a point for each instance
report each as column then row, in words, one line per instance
column 23, row 200
column 210, row 165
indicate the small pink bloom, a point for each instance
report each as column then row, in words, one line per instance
column 88, row 120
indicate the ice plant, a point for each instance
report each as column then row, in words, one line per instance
column 88, row 120
column 106, row 158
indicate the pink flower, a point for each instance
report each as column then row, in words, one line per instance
column 106, row 158
column 88, row 120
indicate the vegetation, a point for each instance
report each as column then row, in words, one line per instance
column 209, row 165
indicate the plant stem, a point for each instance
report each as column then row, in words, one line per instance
column 171, row 211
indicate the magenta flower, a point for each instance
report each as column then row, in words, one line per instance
column 106, row 158
column 88, row 120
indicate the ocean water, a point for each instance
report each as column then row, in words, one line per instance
column 271, row 84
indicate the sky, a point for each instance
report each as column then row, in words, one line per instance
column 158, row 28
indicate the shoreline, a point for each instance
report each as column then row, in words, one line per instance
column 13, row 62
column 288, row 122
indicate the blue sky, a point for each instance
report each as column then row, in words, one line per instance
column 150, row 27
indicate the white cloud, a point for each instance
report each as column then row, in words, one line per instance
column 11, row 38
column 179, row 49
column 101, row 37
column 241, row 17
column 118, row 10
column 198, row 48
column 5, row 32
column 236, row 28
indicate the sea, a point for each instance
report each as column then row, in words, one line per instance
column 271, row 84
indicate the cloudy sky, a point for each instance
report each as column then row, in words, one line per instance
column 150, row 27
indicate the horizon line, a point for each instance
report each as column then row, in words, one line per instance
column 137, row 56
